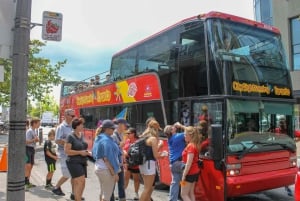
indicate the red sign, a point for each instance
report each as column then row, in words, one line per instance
column 52, row 26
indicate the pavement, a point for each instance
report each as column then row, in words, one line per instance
column 38, row 193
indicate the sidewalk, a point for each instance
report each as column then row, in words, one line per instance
column 38, row 193
column 35, row 194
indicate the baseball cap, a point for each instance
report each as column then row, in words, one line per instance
column 121, row 121
column 108, row 124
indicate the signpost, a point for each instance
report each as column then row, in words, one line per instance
column 18, row 103
column 52, row 26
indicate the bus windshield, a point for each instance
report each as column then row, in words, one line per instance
column 247, row 54
column 261, row 126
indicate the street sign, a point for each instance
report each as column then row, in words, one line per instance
column 52, row 26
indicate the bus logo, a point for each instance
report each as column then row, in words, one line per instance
column 148, row 91
column 132, row 89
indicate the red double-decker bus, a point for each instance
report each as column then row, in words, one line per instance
column 233, row 67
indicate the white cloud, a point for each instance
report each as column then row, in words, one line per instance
column 107, row 24
column 93, row 29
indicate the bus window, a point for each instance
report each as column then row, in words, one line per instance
column 209, row 111
column 124, row 65
column 255, row 56
column 192, row 61
column 257, row 125
column 205, row 114
column 185, row 114
column 158, row 54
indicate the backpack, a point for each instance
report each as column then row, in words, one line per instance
column 137, row 153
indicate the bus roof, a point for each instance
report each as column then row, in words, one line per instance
column 212, row 14
column 242, row 20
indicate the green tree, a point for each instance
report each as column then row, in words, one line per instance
column 42, row 76
column 47, row 104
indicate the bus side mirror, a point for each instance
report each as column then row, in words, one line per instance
column 217, row 152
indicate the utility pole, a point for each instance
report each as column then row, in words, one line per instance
column 18, row 103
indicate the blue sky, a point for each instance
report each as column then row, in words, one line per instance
column 93, row 30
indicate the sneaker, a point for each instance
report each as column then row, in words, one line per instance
column 72, row 197
column 32, row 185
column 28, row 186
column 136, row 197
column 49, row 186
column 58, row 191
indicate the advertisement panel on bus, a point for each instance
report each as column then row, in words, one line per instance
column 135, row 89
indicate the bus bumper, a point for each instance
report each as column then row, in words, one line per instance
column 245, row 184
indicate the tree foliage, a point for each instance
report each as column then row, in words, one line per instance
column 42, row 75
column 48, row 104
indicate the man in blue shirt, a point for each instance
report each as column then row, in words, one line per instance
column 176, row 145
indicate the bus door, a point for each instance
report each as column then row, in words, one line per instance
column 211, row 183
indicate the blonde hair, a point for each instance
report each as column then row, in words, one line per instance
column 150, row 132
column 195, row 138
column 168, row 130
column 98, row 131
column 154, row 124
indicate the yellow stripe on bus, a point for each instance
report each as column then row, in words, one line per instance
column 122, row 90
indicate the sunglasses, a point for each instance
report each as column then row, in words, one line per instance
column 71, row 115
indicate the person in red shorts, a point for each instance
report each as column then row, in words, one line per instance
column 133, row 171
column 190, row 156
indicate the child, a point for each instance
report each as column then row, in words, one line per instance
column 31, row 140
column 50, row 157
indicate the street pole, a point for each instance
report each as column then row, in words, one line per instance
column 18, row 103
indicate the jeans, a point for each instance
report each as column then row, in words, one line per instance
column 121, row 190
column 176, row 171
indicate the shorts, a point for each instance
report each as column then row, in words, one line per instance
column 148, row 168
column 51, row 166
column 30, row 155
column 77, row 169
column 191, row 178
column 107, row 183
column 134, row 170
column 64, row 169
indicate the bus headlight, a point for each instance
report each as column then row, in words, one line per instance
column 293, row 161
column 233, row 169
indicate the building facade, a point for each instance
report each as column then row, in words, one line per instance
column 285, row 14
